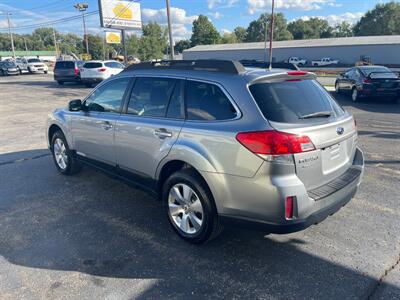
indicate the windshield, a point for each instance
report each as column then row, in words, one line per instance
column 294, row 101
column 33, row 60
column 9, row 64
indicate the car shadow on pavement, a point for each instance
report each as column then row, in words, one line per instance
column 369, row 104
column 93, row 224
column 48, row 84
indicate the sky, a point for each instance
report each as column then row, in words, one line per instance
column 225, row 14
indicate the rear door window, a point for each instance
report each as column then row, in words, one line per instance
column 150, row 96
column 207, row 102
column 289, row 101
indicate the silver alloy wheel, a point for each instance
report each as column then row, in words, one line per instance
column 60, row 153
column 185, row 208
column 354, row 95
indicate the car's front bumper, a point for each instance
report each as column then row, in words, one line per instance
column 259, row 203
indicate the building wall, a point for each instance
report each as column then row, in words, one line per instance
column 380, row 54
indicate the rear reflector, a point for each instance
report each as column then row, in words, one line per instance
column 76, row 71
column 289, row 203
column 102, row 69
column 275, row 142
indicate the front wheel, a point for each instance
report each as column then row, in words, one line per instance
column 190, row 207
column 45, row 72
column 63, row 157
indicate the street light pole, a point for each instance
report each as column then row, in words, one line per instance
column 82, row 8
column 171, row 41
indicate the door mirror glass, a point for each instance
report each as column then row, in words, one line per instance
column 75, row 105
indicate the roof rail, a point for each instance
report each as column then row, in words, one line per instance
column 224, row 66
column 265, row 65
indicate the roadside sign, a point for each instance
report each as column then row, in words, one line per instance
column 120, row 14
column 113, row 37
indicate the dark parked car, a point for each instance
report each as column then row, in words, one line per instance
column 8, row 68
column 369, row 81
column 67, row 71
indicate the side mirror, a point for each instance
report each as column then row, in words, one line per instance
column 75, row 105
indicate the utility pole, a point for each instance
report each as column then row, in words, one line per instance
column 82, row 8
column 26, row 46
column 171, row 41
column 55, row 42
column 10, row 33
column 271, row 35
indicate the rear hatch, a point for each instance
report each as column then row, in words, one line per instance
column 305, row 108
column 92, row 70
column 65, row 69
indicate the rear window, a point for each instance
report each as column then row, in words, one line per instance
column 65, row 65
column 288, row 102
column 92, row 65
column 33, row 60
column 378, row 72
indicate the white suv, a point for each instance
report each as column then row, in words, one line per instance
column 96, row 71
column 36, row 65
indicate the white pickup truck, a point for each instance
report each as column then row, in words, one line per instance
column 297, row 61
column 324, row 62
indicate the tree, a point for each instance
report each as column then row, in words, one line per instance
column 153, row 42
column 204, row 32
column 95, row 46
column 132, row 45
column 228, row 38
column 257, row 28
column 240, row 33
column 70, row 43
column 384, row 19
column 182, row 45
column 313, row 28
column 343, row 29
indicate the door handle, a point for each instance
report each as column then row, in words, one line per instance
column 106, row 125
column 162, row 133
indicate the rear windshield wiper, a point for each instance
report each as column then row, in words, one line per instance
column 320, row 114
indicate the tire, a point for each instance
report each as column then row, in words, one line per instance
column 60, row 82
column 20, row 71
column 60, row 149
column 337, row 88
column 300, row 64
column 315, row 65
column 30, row 71
column 199, row 210
column 355, row 96
column 45, row 72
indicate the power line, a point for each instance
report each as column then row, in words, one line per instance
column 49, row 23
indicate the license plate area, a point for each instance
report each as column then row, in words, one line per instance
column 334, row 157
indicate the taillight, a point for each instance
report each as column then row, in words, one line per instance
column 102, row 69
column 367, row 81
column 275, row 142
column 76, row 71
column 289, row 205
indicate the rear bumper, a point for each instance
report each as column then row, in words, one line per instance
column 264, row 209
column 67, row 78
column 380, row 93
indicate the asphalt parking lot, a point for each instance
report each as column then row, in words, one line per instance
column 90, row 236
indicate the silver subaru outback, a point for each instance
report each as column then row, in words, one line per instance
column 219, row 144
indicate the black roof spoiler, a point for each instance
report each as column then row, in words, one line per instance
column 212, row 65
column 265, row 65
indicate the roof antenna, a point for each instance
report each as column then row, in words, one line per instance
column 271, row 35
